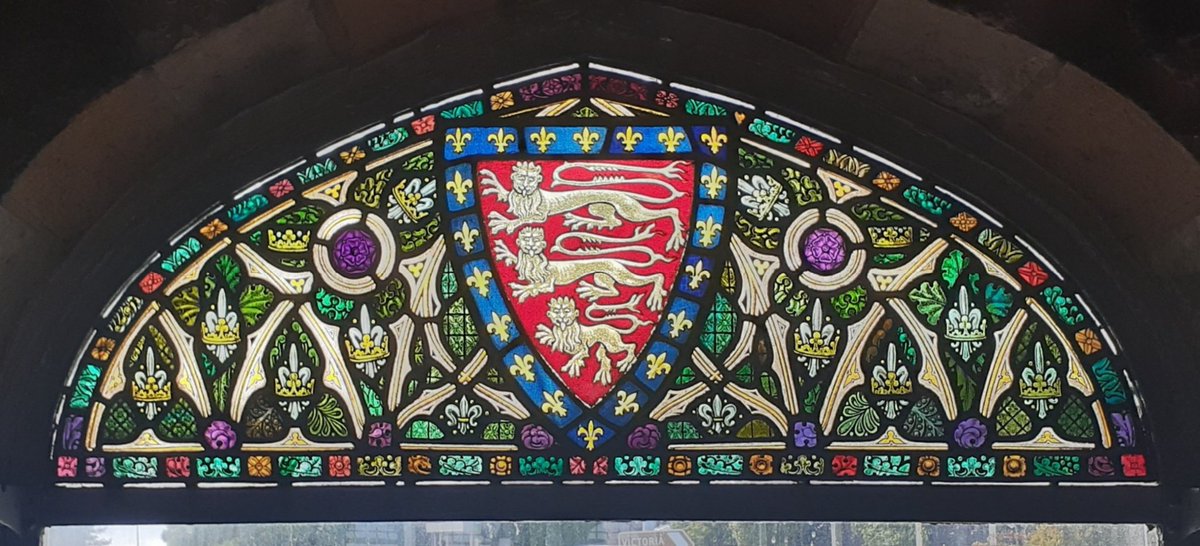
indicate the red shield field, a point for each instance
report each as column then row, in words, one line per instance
column 586, row 252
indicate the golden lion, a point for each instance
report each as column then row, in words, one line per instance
column 566, row 335
column 528, row 203
column 542, row 275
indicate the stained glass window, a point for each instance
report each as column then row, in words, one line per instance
column 591, row 274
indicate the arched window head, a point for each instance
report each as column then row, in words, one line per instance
column 589, row 274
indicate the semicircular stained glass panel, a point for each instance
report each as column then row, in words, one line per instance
column 589, row 274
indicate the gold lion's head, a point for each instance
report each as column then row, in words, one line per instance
column 526, row 177
column 562, row 311
column 531, row 240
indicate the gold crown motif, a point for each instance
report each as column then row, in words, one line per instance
column 890, row 385
column 1039, row 389
column 965, row 331
column 817, row 346
column 890, row 236
column 221, row 335
column 368, row 351
column 288, row 240
column 152, row 392
column 890, row 378
column 407, row 202
column 294, row 388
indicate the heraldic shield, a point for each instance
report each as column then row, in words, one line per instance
column 586, row 251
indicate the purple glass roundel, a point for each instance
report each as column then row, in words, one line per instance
column 825, row 249
column 354, row 252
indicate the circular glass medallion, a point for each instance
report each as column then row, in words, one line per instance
column 354, row 252
column 825, row 250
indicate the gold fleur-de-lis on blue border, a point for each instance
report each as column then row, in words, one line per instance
column 458, row 141
column 626, row 403
column 590, row 434
column 714, row 140
column 459, row 187
column 708, row 229
column 499, row 326
column 479, row 280
column 629, row 138
column 522, row 367
column 501, row 140
column 671, row 139
column 553, row 403
column 542, row 139
column 586, row 139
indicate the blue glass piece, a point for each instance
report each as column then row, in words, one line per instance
column 463, row 142
column 480, row 281
column 564, row 140
column 713, row 182
column 623, row 403
column 695, row 276
column 710, row 221
column 680, row 320
column 650, row 140
column 460, row 188
column 656, row 364
column 469, row 239
column 711, row 140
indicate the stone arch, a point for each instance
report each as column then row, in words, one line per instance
column 688, row 64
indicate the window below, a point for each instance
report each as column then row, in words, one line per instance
column 622, row 533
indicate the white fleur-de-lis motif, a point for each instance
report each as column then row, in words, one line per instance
column 220, row 331
column 763, row 197
column 152, row 382
column 295, row 381
column 965, row 326
column 717, row 415
column 368, row 344
column 464, row 415
column 1040, row 385
column 816, row 341
column 891, row 379
column 410, row 202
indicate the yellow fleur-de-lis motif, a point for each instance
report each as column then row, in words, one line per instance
column 501, row 140
column 708, row 229
column 553, row 403
column 590, row 434
column 629, row 138
column 499, row 326
column 586, row 139
column 466, row 236
column 460, row 187
column 458, row 140
column 697, row 274
column 671, row 139
column 658, row 365
column 542, row 139
column 713, row 182
column 522, row 367
column 679, row 322
column 626, row 403
column 479, row 281
column 714, row 140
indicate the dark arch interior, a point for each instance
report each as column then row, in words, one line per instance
column 930, row 140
